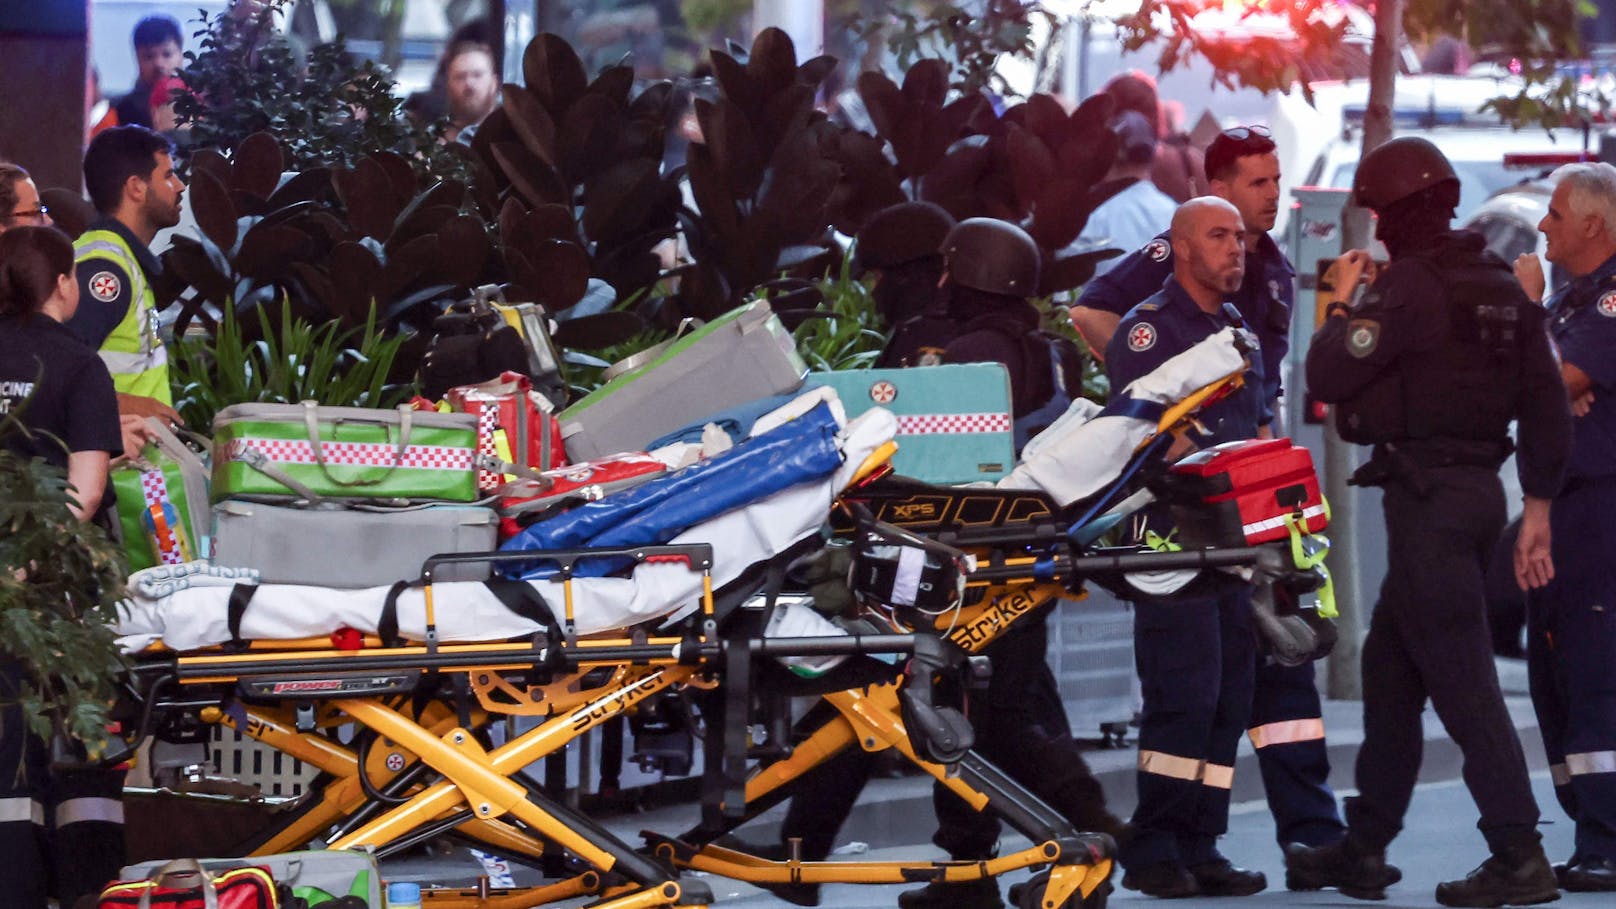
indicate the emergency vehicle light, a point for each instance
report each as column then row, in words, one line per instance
column 1536, row 160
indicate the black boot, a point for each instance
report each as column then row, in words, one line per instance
column 977, row 894
column 1513, row 876
column 1590, row 874
column 1353, row 870
column 1163, row 880
column 1220, row 877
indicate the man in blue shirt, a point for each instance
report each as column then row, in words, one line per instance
column 1195, row 647
column 1287, row 724
column 1571, row 651
column 1129, row 219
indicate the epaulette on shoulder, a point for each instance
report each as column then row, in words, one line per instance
column 1148, row 307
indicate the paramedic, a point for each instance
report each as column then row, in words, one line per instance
column 991, row 267
column 1195, row 646
column 1430, row 367
column 1287, row 719
column 131, row 180
column 1572, row 629
column 64, row 827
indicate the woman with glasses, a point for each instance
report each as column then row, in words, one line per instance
column 19, row 200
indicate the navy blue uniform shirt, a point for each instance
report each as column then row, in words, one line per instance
column 1265, row 299
column 1582, row 322
column 1159, row 329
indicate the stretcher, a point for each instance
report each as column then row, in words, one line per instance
column 423, row 671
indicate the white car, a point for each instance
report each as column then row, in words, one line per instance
column 1509, row 219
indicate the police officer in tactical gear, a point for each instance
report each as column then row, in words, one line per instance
column 902, row 245
column 1195, row 646
column 1443, row 351
column 1572, row 639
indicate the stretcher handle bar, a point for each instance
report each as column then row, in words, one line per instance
column 698, row 556
column 143, row 730
column 1132, row 561
column 828, row 645
column 364, row 661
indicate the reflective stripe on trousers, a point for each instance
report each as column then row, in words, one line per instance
column 1286, row 732
column 1581, row 765
column 1216, row 776
column 82, row 810
column 21, row 809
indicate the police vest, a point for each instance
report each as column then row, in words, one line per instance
column 133, row 352
column 1466, row 387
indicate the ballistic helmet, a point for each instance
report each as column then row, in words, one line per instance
column 994, row 256
column 1399, row 169
column 902, row 233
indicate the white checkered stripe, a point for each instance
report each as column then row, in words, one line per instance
column 154, row 489
column 487, row 425
column 355, row 454
column 926, row 424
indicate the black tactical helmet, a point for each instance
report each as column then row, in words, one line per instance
column 1399, row 169
column 902, row 233
column 993, row 256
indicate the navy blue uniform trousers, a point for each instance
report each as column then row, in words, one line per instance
column 1287, row 731
column 1571, row 654
column 1196, row 653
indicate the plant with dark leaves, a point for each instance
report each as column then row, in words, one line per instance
column 59, row 585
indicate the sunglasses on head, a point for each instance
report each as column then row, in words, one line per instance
column 1247, row 133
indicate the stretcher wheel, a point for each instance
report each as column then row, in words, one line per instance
column 1030, row 895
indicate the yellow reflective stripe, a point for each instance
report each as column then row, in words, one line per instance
column 1285, row 732
column 1591, row 762
column 1170, row 765
column 1559, row 774
column 75, row 811
column 21, row 810
column 1217, row 776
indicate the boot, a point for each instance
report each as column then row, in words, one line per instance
column 1590, row 874
column 1163, row 880
column 977, row 894
column 1352, row 870
column 1512, row 876
column 1220, row 877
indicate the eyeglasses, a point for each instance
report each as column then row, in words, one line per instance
column 1247, row 133
column 37, row 213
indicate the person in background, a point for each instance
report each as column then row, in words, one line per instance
column 1178, row 169
column 1571, row 648
column 131, row 180
column 473, row 89
column 159, row 53
column 431, row 103
column 19, row 200
column 61, row 832
column 102, row 115
column 1128, row 220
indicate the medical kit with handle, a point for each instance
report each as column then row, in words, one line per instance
column 315, row 453
column 529, row 499
column 349, row 547
column 163, row 499
column 742, row 355
column 1244, row 493
column 954, row 421
column 187, row 884
column 514, row 424
column 317, row 876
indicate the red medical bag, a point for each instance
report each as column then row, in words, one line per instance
column 183, row 884
column 1239, row 493
column 526, row 500
column 513, row 425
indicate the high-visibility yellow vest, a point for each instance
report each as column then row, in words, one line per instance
column 133, row 352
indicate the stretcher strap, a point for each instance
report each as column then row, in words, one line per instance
column 240, row 596
column 520, row 597
column 387, row 624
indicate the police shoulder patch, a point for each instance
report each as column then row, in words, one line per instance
column 1607, row 304
column 1157, row 250
column 1362, row 337
column 105, row 286
column 1142, row 337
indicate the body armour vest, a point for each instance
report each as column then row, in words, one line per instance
column 1465, row 387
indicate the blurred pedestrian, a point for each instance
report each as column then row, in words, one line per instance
column 473, row 89
column 1178, row 169
column 159, row 53
column 1129, row 219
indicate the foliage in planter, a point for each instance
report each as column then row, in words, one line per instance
column 576, row 166
column 55, row 620
column 848, row 331
column 329, row 244
column 972, row 36
column 327, row 111
column 291, row 362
